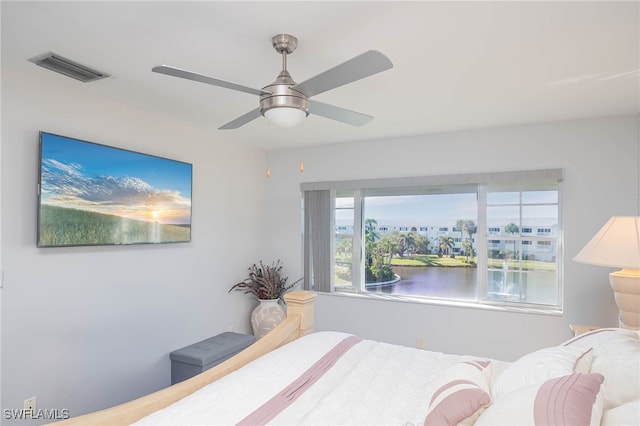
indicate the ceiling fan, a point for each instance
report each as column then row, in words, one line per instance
column 285, row 102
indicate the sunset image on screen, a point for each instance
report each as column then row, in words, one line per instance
column 95, row 194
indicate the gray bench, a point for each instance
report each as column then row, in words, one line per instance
column 201, row 356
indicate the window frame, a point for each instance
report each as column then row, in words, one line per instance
column 551, row 177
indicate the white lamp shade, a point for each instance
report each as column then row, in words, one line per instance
column 617, row 244
column 285, row 117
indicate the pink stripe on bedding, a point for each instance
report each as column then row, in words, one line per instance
column 479, row 364
column 584, row 354
column 288, row 395
column 450, row 385
column 458, row 406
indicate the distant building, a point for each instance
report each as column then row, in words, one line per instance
column 538, row 237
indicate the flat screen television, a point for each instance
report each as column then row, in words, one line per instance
column 93, row 194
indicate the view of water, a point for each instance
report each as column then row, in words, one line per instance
column 458, row 283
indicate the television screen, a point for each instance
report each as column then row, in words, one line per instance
column 92, row 194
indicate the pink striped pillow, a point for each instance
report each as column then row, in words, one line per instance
column 567, row 400
column 462, row 392
column 536, row 367
column 574, row 399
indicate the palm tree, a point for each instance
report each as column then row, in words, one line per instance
column 446, row 244
column 407, row 242
column 512, row 228
column 422, row 244
column 460, row 224
column 467, row 245
column 370, row 238
column 389, row 246
column 470, row 228
column 344, row 249
column 392, row 242
column 370, row 233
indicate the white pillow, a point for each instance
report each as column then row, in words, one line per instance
column 625, row 414
column 574, row 399
column 616, row 355
column 538, row 366
column 461, row 394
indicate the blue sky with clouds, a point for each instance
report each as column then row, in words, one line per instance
column 98, row 178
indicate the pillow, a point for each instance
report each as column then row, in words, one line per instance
column 625, row 414
column 538, row 366
column 574, row 399
column 462, row 392
column 616, row 355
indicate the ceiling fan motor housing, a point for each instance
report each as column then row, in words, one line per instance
column 283, row 96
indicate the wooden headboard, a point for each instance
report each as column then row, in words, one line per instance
column 299, row 322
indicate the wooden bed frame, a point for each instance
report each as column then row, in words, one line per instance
column 299, row 322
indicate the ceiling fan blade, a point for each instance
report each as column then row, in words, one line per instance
column 339, row 114
column 242, row 120
column 364, row 65
column 177, row 72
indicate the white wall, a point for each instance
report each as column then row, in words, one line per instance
column 600, row 158
column 84, row 328
column 89, row 327
column 1, row 268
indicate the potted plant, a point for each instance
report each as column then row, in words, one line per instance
column 268, row 284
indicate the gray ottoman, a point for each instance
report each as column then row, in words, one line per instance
column 201, row 356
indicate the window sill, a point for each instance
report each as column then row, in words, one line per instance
column 488, row 306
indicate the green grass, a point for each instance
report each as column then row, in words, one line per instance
column 460, row 261
column 528, row 265
column 71, row 227
column 431, row 260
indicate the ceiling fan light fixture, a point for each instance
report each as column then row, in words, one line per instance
column 285, row 116
column 282, row 105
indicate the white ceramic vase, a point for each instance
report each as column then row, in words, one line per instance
column 266, row 316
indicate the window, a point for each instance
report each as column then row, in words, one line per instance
column 475, row 244
column 343, row 249
column 524, row 269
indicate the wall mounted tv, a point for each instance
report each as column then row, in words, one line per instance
column 92, row 194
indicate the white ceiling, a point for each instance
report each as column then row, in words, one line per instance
column 457, row 65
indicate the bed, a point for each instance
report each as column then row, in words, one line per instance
column 293, row 376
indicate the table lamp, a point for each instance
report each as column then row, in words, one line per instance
column 617, row 244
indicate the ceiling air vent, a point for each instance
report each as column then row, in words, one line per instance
column 57, row 63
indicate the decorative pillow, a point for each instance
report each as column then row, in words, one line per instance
column 541, row 365
column 461, row 393
column 574, row 399
column 616, row 355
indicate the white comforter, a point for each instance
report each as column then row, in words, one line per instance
column 387, row 384
column 382, row 384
